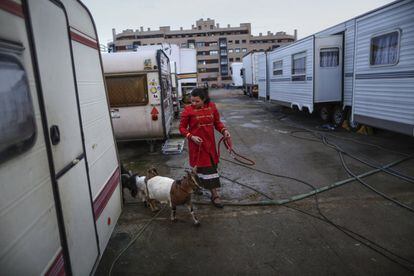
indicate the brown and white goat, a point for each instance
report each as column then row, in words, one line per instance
column 173, row 192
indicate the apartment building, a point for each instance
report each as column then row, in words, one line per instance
column 217, row 47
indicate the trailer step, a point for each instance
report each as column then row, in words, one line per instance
column 173, row 146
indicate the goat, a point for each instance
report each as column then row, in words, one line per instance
column 134, row 183
column 173, row 192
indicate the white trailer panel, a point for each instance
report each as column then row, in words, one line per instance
column 282, row 88
column 96, row 122
column 247, row 65
column 384, row 79
column 347, row 29
column 187, row 78
column 262, row 75
column 236, row 74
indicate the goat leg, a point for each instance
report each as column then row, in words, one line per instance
column 152, row 203
column 190, row 208
column 173, row 211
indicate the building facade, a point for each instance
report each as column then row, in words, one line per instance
column 217, row 47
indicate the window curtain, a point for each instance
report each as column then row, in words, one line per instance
column 329, row 58
column 385, row 49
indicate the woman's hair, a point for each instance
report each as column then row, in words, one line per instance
column 201, row 92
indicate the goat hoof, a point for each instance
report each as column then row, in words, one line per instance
column 174, row 220
column 197, row 223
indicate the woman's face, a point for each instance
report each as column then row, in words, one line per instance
column 197, row 102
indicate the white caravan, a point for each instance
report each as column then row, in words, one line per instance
column 384, row 68
column 250, row 73
column 307, row 75
column 60, row 196
column 187, row 77
column 237, row 80
column 140, row 94
column 361, row 68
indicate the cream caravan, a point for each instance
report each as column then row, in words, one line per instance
column 140, row 94
column 60, row 196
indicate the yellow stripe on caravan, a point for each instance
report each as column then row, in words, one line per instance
column 187, row 76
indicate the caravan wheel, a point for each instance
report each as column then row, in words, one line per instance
column 338, row 115
column 325, row 113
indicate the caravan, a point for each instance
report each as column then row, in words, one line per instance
column 384, row 68
column 140, row 94
column 307, row 75
column 360, row 69
column 60, row 196
column 187, row 77
column 236, row 76
column 250, row 73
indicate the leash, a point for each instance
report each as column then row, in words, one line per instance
column 236, row 156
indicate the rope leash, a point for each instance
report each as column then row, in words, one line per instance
column 236, row 156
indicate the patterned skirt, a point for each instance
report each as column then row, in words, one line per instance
column 208, row 177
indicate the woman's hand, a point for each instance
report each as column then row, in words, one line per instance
column 197, row 140
column 226, row 134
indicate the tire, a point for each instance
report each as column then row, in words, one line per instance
column 338, row 115
column 325, row 113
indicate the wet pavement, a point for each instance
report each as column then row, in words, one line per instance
column 276, row 240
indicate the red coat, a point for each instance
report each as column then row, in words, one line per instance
column 201, row 122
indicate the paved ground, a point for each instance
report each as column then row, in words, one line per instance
column 276, row 240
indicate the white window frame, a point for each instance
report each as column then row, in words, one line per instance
column 277, row 68
column 398, row 48
column 298, row 75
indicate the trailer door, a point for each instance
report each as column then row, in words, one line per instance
column 53, row 52
column 328, row 69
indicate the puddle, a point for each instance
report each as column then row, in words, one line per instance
column 235, row 117
column 249, row 125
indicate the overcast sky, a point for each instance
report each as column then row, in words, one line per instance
column 306, row 16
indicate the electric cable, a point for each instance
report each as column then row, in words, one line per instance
column 372, row 188
column 343, row 229
column 392, row 172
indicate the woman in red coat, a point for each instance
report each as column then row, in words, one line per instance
column 197, row 124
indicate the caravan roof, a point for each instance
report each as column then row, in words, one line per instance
column 144, row 60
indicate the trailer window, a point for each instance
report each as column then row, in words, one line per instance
column 278, row 68
column 126, row 91
column 385, row 49
column 299, row 67
column 329, row 57
column 17, row 120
